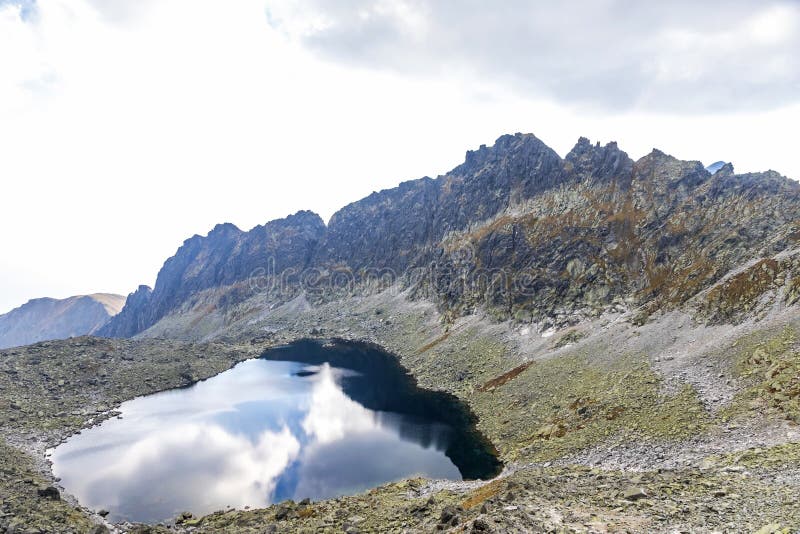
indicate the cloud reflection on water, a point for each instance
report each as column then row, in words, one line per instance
column 253, row 435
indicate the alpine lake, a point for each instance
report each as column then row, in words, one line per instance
column 314, row 419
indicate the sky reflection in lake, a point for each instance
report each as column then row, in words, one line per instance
column 253, row 435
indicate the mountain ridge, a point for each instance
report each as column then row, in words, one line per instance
column 586, row 230
column 46, row 318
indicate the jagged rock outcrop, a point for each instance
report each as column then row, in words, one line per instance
column 648, row 234
column 46, row 318
column 390, row 229
column 515, row 230
column 224, row 257
column 135, row 317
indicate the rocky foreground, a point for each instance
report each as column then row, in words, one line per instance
column 671, row 426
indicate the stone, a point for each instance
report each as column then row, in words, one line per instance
column 634, row 493
column 49, row 492
column 285, row 510
column 448, row 514
column 480, row 525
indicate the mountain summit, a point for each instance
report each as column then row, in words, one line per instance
column 515, row 231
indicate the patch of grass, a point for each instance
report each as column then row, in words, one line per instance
column 777, row 457
column 563, row 405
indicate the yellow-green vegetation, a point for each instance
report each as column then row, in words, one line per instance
column 583, row 397
column 769, row 366
column 776, row 457
column 460, row 360
column 563, row 405
column 774, row 528
column 389, row 508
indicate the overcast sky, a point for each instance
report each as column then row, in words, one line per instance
column 126, row 127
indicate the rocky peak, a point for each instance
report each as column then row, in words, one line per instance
column 593, row 161
column 224, row 257
column 134, row 316
column 224, row 229
column 517, row 149
column 662, row 170
column 589, row 231
column 304, row 221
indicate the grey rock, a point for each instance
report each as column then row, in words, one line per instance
column 49, row 492
column 634, row 493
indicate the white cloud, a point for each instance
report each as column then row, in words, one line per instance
column 332, row 415
column 127, row 127
column 594, row 54
column 223, row 468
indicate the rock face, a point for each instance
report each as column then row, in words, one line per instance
column 396, row 228
column 515, row 230
column 224, row 257
column 45, row 318
column 134, row 317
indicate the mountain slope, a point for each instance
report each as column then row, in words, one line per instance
column 46, row 318
column 225, row 256
column 515, row 230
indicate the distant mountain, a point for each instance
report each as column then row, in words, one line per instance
column 516, row 231
column 714, row 167
column 46, row 318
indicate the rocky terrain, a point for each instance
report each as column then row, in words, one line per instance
column 515, row 231
column 627, row 334
column 46, row 318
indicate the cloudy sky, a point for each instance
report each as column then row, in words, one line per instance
column 126, row 127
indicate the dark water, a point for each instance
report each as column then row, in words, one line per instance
column 303, row 421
